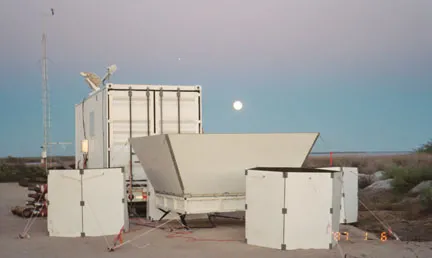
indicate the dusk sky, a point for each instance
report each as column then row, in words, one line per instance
column 358, row 72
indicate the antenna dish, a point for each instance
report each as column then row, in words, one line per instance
column 92, row 80
column 110, row 70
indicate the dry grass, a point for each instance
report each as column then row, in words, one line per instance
column 409, row 216
column 368, row 164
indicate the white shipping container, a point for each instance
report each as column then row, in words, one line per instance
column 108, row 118
column 112, row 115
column 292, row 208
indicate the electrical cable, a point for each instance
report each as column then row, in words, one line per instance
column 138, row 236
column 183, row 234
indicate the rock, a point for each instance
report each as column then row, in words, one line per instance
column 381, row 185
column 420, row 187
column 377, row 176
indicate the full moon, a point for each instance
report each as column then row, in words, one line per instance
column 237, row 105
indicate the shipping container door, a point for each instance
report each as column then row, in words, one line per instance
column 178, row 111
column 140, row 107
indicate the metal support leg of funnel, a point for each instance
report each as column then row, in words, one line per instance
column 183, row 220
column 164, row 215
column 211, row 220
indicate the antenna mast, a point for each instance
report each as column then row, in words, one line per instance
column 45, row 98
column 45, row 103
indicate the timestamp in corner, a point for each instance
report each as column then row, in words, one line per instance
column 345, row 236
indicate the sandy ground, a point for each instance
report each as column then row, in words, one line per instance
column 160, row 243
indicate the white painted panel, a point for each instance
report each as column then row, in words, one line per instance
column 308, row 222
column 167, row 112
column 336, row 197
column 349, row 197
column 142, row 125
column 64, row 210
column 89, row 124
column 265, row 200
column 155, row 156
column 79, row 136
column 214, row 164
column 199, row 207
column 103, row 194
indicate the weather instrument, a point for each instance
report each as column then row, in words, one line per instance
column 237, row 105
column 94, row 81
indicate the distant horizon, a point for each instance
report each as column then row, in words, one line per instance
column 312, row 153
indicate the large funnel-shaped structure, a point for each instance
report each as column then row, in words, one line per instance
column 212, row 165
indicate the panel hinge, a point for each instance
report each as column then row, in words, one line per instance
column 284, row 210
column 330, row 246
column 331, row 210
column 246, row 172
column 47, row 202
column 81, row 171
column 81, row 203
column 343, row 194
column 130, row 92
column 285, row 174
column 283, row 246
column 345, row 221
column 331, row 175
column 245, row 206
column 82, row 234
column 245, row 240
column 123, row 200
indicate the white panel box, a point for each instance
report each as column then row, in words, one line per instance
column 292, row 208
column 349, row 196
column 89, row 202
column 64, row 197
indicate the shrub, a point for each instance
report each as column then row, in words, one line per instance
column 15, row 172
column 426, row 199
column 405, row 178
column 426, row 148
